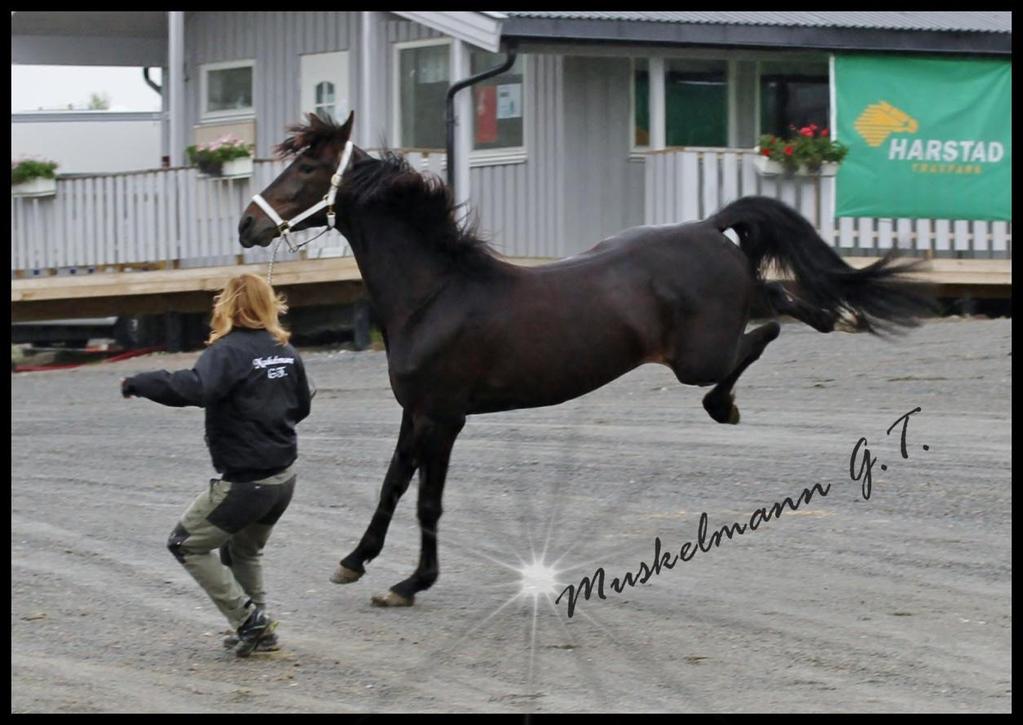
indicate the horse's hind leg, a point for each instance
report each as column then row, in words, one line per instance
column 434, row 441
column 720, row 401
column 399, row 473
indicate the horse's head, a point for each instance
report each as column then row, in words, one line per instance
column 880, row 120
column 898, row 120
column 318, row 148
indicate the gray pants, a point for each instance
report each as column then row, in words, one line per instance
column 236, row 519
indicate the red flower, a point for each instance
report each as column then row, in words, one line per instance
column 806, row 131
column 788, row 150
column 765, row 151
column 824, row 132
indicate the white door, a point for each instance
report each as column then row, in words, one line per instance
column 325, row 84
column 324, row 78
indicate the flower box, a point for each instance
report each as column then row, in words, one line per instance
column 769, row 167
column 808, row 151
column 228, row 157
column 39, row 186
column 233, row 169
column 237, row 167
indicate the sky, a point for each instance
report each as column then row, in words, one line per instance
column 54, row 87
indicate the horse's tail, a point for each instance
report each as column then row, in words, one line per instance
column 878, row 296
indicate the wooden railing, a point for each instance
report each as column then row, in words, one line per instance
column 163, row 218
column 684, row 185
column 177, row 218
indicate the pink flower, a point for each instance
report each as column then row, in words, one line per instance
column 806, row 131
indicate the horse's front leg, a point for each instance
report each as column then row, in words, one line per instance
column 399, row 473
column 434, row 441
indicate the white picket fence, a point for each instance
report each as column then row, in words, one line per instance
column 147, row 217
column 177, row 216
column 685, row 185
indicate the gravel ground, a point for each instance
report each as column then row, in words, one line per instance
column 897, row 603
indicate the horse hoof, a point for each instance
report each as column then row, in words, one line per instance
column 344, row 575
column 392, row 599
column 715, row 407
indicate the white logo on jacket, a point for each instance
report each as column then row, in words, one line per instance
column 264, row 362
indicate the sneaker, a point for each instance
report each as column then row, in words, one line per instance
column 267, row 644
column 257, row 628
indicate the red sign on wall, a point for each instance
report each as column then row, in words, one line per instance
column 486, row 114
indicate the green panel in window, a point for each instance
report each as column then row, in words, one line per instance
column 697, row 112
column 641, row 85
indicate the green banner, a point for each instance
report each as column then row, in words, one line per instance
column 928, row 138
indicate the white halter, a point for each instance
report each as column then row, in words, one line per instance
column 284, row 227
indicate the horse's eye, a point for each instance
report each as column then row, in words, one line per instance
column 306, row 168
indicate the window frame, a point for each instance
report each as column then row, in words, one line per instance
column 731, row 109
column 477, row 157
column 333, row 95
column 397, row 48
column 827, row 75
column 729, row 97
column 634, row 149
column 234, row 113
column 734, row 104
column 507, row 154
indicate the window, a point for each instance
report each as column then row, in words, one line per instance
column 641, row 102
column 695, row 102
column 424, row 73
column 325, row 100
column 497, row 104
column 227, row 89
column 793, row 95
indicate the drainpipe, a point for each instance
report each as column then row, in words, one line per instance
column 455, row 88
column 164, row 123
column 150, row 82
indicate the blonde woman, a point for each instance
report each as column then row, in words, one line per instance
column 253, row 386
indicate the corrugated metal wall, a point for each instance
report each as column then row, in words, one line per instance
column 600, row 193
column 275, row 40
column 520, row 205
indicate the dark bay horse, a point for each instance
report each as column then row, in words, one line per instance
column 468, row 333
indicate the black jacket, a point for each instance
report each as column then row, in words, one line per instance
column 254, row 391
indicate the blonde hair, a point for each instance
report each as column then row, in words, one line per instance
column 248, row 301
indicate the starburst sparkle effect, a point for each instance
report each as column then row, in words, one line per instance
column 538, row 579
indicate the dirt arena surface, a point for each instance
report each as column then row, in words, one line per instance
column 897, row 603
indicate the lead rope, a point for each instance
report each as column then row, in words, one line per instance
column 270, row 269
column 291, row 247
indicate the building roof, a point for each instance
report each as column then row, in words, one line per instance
column 979, row 33
column 992, row 22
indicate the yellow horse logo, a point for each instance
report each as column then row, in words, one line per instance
column 882, row 119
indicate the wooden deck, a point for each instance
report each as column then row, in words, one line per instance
column 337, row 281
column 305, row 282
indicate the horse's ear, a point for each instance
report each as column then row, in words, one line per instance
column 346, row 128
column 314, row 121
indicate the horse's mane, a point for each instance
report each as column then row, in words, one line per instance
column 390, row 184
